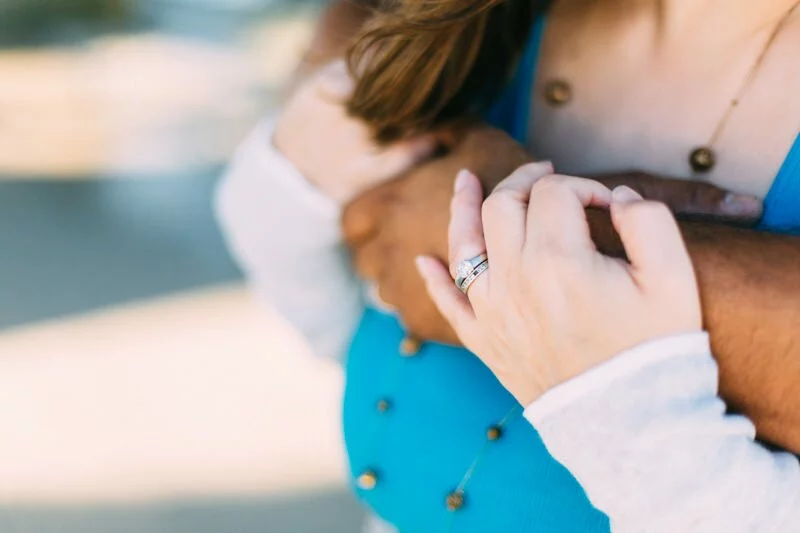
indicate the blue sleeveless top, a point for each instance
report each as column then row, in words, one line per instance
column 443, row 445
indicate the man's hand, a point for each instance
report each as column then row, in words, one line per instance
column 389, row 226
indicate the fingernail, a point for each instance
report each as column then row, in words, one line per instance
column 421, row 262
column 741, row 204
column 462, row 180
column 548, row 165
column 625, row 195
column 542, row 167
column 336, row 79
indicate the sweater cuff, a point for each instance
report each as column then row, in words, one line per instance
column 264, row 201
column 625, row 366
column 261, row 148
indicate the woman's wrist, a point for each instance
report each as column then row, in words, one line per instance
column 338, row 193
column 291, row 177
column 620, row 367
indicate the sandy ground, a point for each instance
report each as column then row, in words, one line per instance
column 183, row 409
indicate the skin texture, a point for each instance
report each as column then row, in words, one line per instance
column 749, row 281
column 746, row 278
column 550, row 307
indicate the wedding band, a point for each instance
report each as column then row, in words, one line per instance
column 469, row 270
column 464, row 283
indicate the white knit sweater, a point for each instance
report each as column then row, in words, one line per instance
column 646, row 434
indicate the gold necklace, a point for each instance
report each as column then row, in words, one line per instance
column 703, row 158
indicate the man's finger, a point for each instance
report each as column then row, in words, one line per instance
column 691, row 199
column 368, row 258
column 450, row 301
column 361, row 217
column 556, row 216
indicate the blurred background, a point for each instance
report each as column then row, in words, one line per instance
column 141, row 389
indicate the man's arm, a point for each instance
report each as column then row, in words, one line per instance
column 750, row 285
column 750, row 281
column 750, row 288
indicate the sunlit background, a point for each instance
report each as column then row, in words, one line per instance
column 141, row 389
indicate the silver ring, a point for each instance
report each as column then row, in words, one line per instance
column 469, row 270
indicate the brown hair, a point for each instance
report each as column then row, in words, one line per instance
column 423, row 63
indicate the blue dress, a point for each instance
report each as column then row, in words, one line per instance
column 437, row 445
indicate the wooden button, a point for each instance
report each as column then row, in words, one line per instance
column 494, row 433
column 368, row 480
column 557, row 93
column 702, row 159
column 383, row 405
column 410, row 346
column 455, row 500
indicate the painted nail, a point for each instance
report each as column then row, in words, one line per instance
column 548, row 165
column 462, row 180
column 422, row 265
column 625, row 195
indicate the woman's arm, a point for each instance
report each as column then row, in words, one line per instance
column 280, row 204
column 609, row 355
column 284, row 232
column 750, row 281
column 285, row 235
column 649, row 441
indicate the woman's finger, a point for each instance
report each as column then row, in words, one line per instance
column 650, row 235
column 465, row 233
column 450, row 301
column 505, row 210
column 556, row 217
column 334, row 82
column 368, row 258
column 403, row 156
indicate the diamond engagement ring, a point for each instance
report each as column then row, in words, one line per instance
column 467, row 271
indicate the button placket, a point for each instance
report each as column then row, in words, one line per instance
column 409, row 347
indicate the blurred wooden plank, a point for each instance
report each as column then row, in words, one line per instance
column 201, row 394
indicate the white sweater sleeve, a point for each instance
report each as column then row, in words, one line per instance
column 648, row 439
column 285, row 234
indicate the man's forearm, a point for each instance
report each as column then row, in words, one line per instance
column 750, row 281
column 750, row 287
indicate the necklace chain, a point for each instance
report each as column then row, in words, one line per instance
column 751, row 74
column 702, row 158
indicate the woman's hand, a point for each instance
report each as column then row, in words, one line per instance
column 335, row 152
column 551, row 307
column 390, row 225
